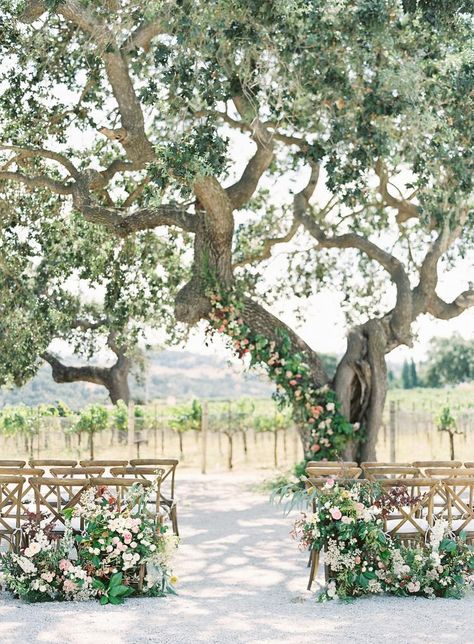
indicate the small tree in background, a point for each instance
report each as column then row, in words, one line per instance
column 93, row 419
column 184, row 419
column 406, row 375
column 414, row 382
column 21, row 421
column 447, row 423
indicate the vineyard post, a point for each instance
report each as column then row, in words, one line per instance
column 393, row 431
column 131, row 428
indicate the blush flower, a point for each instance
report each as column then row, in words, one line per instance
column 335, row 513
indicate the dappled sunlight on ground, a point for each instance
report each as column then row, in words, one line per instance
column 242, row 580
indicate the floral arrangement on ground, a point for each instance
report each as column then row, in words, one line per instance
column 120, row 552
column 362, row 559
column 324, row 429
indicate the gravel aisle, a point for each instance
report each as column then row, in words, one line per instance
column 241, row 580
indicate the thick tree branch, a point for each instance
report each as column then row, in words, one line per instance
column 123, row 224
column 64, row 373
column 401, row 316
column 40, row 181
column 406, row 209
column 448, row 310
column 29, row 152
column 142, row 36
column 300, row 205
column 134, row 140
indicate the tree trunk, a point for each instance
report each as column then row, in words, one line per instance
column 451, row 445
column 361, row 385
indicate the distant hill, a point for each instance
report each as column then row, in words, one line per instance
column 180, row 374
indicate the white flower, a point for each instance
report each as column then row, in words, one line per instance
column 32, row 549
column 330, row 406
column 331, row 589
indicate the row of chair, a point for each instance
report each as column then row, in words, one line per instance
column 376, row 470
column 450, row 497
column 52, row 485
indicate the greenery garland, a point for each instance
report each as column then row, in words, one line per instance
column 324, row 430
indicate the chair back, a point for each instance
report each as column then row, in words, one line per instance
column 27, row 495
column 365, row 464
column 336, row 472
column 54, row 494
column 68, row 472
column 11, row 490
column 11, row 463
column 107, row 464
column 423, row 465
column 391, row 472
column 449, row 472
column 340, row 464
column 169, row 466
column 411, row 522
column 459, row 493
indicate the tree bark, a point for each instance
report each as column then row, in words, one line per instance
column 361, row 384
column 114, row 378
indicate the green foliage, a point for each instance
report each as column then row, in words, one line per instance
column 450, row 361
column 187, row 417
column 19, row 420
column 446, row 421
column 93, row 419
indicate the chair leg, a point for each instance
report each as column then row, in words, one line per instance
column 314, row 567
column 174, row 520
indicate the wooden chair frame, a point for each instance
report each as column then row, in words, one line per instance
column 12, row 463
column 11, row 491
column 169, row 502
column 413, row 515
column 460, row 504
column 385, row 472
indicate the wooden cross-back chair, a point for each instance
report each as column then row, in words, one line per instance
column 55, row 494
column 168, row 494
column 459, row 493
column 11, row 490
column 12, row 463
column 449, row 472
column 469, row 464
column 27, row 499
column 152, row 476
column 120, row 487
column 410, row 524
column 391, row 472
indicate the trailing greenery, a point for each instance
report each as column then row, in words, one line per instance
column 324, row 430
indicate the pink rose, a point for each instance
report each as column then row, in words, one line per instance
column 359, row 507
column 315, row 447
column 64, row 564
column 311, row 420
column 330, row 483
column 335, row 513
column 293, row 383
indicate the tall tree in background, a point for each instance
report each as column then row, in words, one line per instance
column 359, row 120
column 450, row 361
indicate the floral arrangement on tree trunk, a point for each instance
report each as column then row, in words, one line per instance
column 122, row 551
column 363, row 560
column 324, row 430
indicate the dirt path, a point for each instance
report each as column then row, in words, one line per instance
column 242, row 580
